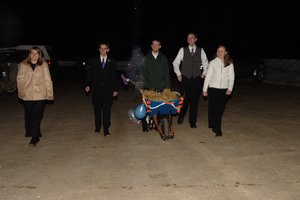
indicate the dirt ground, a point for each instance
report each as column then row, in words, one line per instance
column 257, row 158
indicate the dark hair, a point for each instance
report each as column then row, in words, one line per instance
column 104, row 43
column 195, row 34
column 40, row 59
column 157, row 40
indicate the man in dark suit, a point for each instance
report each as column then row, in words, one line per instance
column 101, row 82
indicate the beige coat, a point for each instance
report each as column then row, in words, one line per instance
column 34, row 84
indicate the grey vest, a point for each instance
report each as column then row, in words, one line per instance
column 191, row 64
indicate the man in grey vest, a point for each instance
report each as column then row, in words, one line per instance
column 191, row 75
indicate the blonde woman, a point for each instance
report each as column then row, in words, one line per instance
column 34, row 88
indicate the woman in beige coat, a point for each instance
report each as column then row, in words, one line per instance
column 34, row 88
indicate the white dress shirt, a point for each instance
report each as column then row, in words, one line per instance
column 101, row 58
column 155, row 54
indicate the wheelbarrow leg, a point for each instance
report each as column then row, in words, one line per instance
column 170, row 134
column 154, row 117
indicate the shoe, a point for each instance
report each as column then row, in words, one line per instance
column 34, row 142
column 180, row 120
column 219, row 134
column 106, row 133
column 145, row 129
column 31, row 144
column 192, row 125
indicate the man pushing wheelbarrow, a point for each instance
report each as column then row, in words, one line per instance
column 155, row 74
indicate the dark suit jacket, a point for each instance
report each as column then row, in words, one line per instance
column 102, row 81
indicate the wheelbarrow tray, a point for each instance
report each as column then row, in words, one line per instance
column 163, row 108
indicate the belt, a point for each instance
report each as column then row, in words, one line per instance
column 194, row 77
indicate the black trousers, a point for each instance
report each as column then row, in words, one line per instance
column 102, row 111
column 144, row 123
column 191, row 88
column 34, row 111
column 217, row 100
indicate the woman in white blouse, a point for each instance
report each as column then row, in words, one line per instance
column 218, row 86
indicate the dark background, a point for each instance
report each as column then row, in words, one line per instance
column 73, row 29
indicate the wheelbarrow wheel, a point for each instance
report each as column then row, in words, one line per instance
column 165, row 127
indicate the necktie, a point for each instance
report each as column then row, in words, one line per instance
column 103, row 63
column 193, row 53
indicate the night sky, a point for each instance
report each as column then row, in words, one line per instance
column 74, row 29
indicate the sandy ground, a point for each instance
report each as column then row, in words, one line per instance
column 257, row 158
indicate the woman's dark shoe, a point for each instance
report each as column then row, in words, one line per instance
column 219, row 134
column 193, row 125
column 33, row 142
column 106, row 133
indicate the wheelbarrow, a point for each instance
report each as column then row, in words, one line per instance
column 161, row 113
